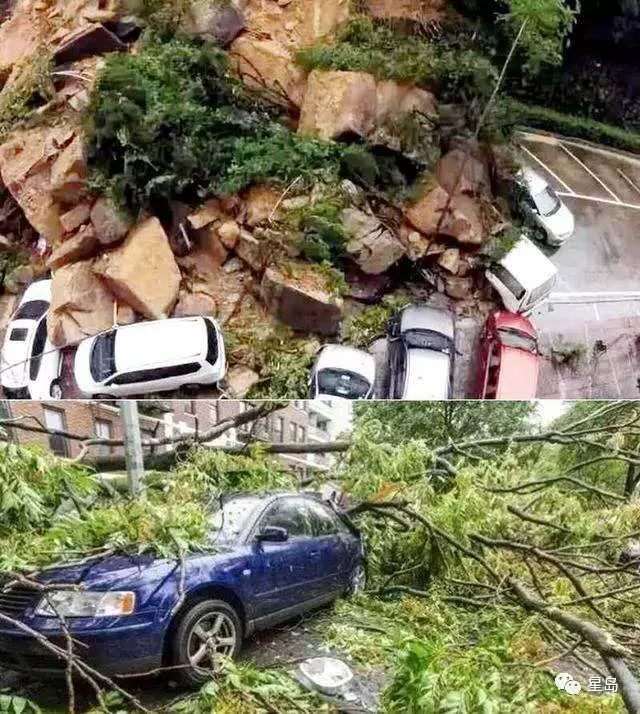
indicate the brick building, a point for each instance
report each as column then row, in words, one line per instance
column 298, row 422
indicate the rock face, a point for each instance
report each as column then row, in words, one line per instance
column 470, row 173
column 81, row 305
column 109, row 224
column 301, row 299
column 371, row 246
column 460, row 218
column 219, row 22
column 417, row 10
column 80, row 246
column 338, row 104
column 395, row 99
column 142, row 271
column 69, row 173
column 20, row 37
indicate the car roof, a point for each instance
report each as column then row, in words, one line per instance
column 518, row 376
column 528, row 264
column 40, row 290
column 348, row 358
column 424, row 317
column 160, row 342
column 428, row 375
column 505, row 319
column 533, row 180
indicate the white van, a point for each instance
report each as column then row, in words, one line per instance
column 524, row 278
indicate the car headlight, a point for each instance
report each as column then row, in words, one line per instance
column 71, row 603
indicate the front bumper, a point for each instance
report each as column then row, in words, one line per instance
column 134, row 649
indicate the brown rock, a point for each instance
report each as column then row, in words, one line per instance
column 91, row 39
column 449, row 260
column 209, row 240
column 467, row 221
column 211, row 211
column 371, row 246
column 75, row 217
column 416, row 10
column 458, row 288
column 219, row 22
column 260, row 202
column 18, row 278
column 195, row 304
column 80, row 246
column 394, row 99
column 81, row 305
column 251, row 250
column 229, row 232
column 142, row 271
column 414, row 242
column 426, row 213
column 126, row 314
column 301, row 298
column 267, row 63
column 69, row 173
column 338, row 104
column 239, row 381
column 471, row 174
column 110, row 224
column 20, row 37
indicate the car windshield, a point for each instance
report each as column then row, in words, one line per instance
column 428, row 340
column 547, row 202
column 102, row 362
column 514, row 338
column 32, row 310
column 230, row 519
column 341, row 383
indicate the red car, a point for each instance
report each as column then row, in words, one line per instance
column 509, row 359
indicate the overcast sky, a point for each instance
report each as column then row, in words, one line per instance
column 550, row 409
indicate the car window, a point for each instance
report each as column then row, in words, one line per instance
column 212, row 343
column 18, row 334
column 32, row 310
column 153, row 375
column 508, row 280
column 428, row 340
column 38, row 347
column 293, row 514
column 547, row 202
column 520, row 340
column 341, row 383
column 102, row 361
column 325, row 522
column 231, row 518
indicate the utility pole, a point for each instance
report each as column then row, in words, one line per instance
column 132, row 447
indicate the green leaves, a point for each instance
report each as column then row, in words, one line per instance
column 10, row 704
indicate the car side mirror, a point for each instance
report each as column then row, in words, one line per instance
column 273, row 534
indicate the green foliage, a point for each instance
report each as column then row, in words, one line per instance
column 171, row 121
column 12, row 704
column 364, row 46
column 547, row 24
column 499, row 245
column 362, row 328
column 163, row 16
column 32, row 84
column 571, row 126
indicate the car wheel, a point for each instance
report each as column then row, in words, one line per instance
column 357, row 581
column 55, row 390
column 207, row 632
column 192, row 388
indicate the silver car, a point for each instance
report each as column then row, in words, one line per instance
column 421, row 353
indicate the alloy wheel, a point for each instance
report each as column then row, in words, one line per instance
column 212, row 637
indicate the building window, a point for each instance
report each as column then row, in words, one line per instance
column 103, row 431
column 145, row 435
column 191, row 408
column 293, row 432
column 54, row 419
column 215, row 413
column 302, row 434
column 278, row 430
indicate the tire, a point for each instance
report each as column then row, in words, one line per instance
column 190, row 649
column 357, row 580
column 55, row 390
column 192, row 388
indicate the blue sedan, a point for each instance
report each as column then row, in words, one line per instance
column 271, row 558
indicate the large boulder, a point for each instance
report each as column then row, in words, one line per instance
column 81, row 305
column 459, row 171
column 142, row 271
column 267, row 64
column 80, row 246
column 338, row 104
column 394, row 99
column 260, row 204
column 371, row 246
column 218, row 22
column 460, row 217
column 20, row 37
column 110, row 224
column 69, row 172
column 301, row 297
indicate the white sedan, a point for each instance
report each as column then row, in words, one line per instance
column 341, row 371
column 544, row 206
column 148, row 357
column 30, row 365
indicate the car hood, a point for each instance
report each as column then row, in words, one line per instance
column 561, row 223
column 15, row 355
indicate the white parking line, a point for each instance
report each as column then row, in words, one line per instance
column 589, row 171
column 631, row 182
column 547, row 169
column 607, row 201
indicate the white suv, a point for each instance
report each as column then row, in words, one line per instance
column 149, row 357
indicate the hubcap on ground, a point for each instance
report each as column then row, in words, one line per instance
column 212, row 637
